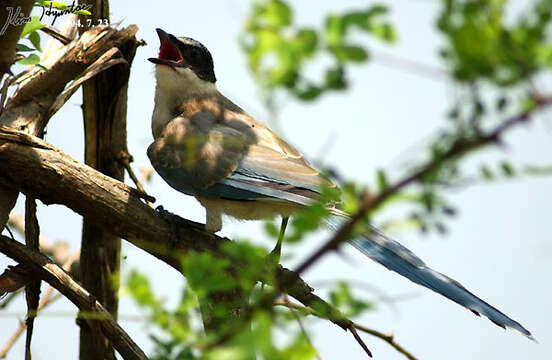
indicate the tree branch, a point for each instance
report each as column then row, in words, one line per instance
column 390, row 339
column 46, row 300
column 31, row 106
column 11, row 33
column 32, row 290
column 47, row 270
column 32, row 166
column 459, row 148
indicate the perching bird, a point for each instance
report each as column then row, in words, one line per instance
column 208, row 147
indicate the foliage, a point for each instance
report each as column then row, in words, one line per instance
column 278, row 51
column 30, row 33
column 492, row 61
column 482, row 45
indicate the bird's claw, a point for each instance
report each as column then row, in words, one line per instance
column 170, row 218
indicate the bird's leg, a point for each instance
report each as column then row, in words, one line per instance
column 213, row 221
column 275, row 253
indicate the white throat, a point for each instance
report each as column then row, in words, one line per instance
column 173, row 87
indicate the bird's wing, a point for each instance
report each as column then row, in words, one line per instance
column 196, row 153
column 232, row 157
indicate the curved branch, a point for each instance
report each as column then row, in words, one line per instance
column 32, row 166
column 47, row 270
column 459, row 148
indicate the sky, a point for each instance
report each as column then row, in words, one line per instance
column 498, row 246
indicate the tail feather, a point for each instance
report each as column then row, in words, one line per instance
column 398, row 258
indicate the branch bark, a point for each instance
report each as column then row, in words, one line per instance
column 32, row 166
column 104, row 114
column 31, row 106
column 55, row 276
column 32, row 290
column 10, row 33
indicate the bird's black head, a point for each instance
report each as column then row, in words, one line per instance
column 185, row 52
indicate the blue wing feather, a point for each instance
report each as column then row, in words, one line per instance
column 398, row 258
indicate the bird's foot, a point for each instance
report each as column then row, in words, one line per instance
column 172, row 220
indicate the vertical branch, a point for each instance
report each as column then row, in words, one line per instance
column 8, row 42
column 32, row 290
column 104, row 113
column 9, row 32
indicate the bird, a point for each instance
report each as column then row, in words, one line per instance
column 210, row 148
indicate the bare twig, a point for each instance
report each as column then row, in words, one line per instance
column 125, row 158
column 359, row 340
column 103, row 63
column 46, row 300
column 55, row 276
column 411, row 67
column 301, row 326
column 56, row 34
column 4, row 92
column 459, row 148
column 388, row 338
column 32, row 290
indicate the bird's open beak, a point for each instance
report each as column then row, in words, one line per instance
column 168, row 51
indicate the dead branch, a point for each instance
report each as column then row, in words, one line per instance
column 32, row 290
column 47, row 270
column 46, row 300
column 28, row 108
column 40, row 92
column 11, row 33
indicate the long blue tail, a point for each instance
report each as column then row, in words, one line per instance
column 398, row 258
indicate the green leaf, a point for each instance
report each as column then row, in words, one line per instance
column 83, row 12
column 384, row 32
column 277, row 13
column 355, row 53
column 31, row 26
column 486, row 172
column 343, row 299
column 42, row 67
column 55, row 4
column 139, row 287
column 271, row 229
column 345, row 53
column 32, row 59
column 382, row 180
column 22, row 47
column 309, row 93
column 507, row 169
column 307, row 39
column 35, row 40
column 335, row 78
column 335, row 29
